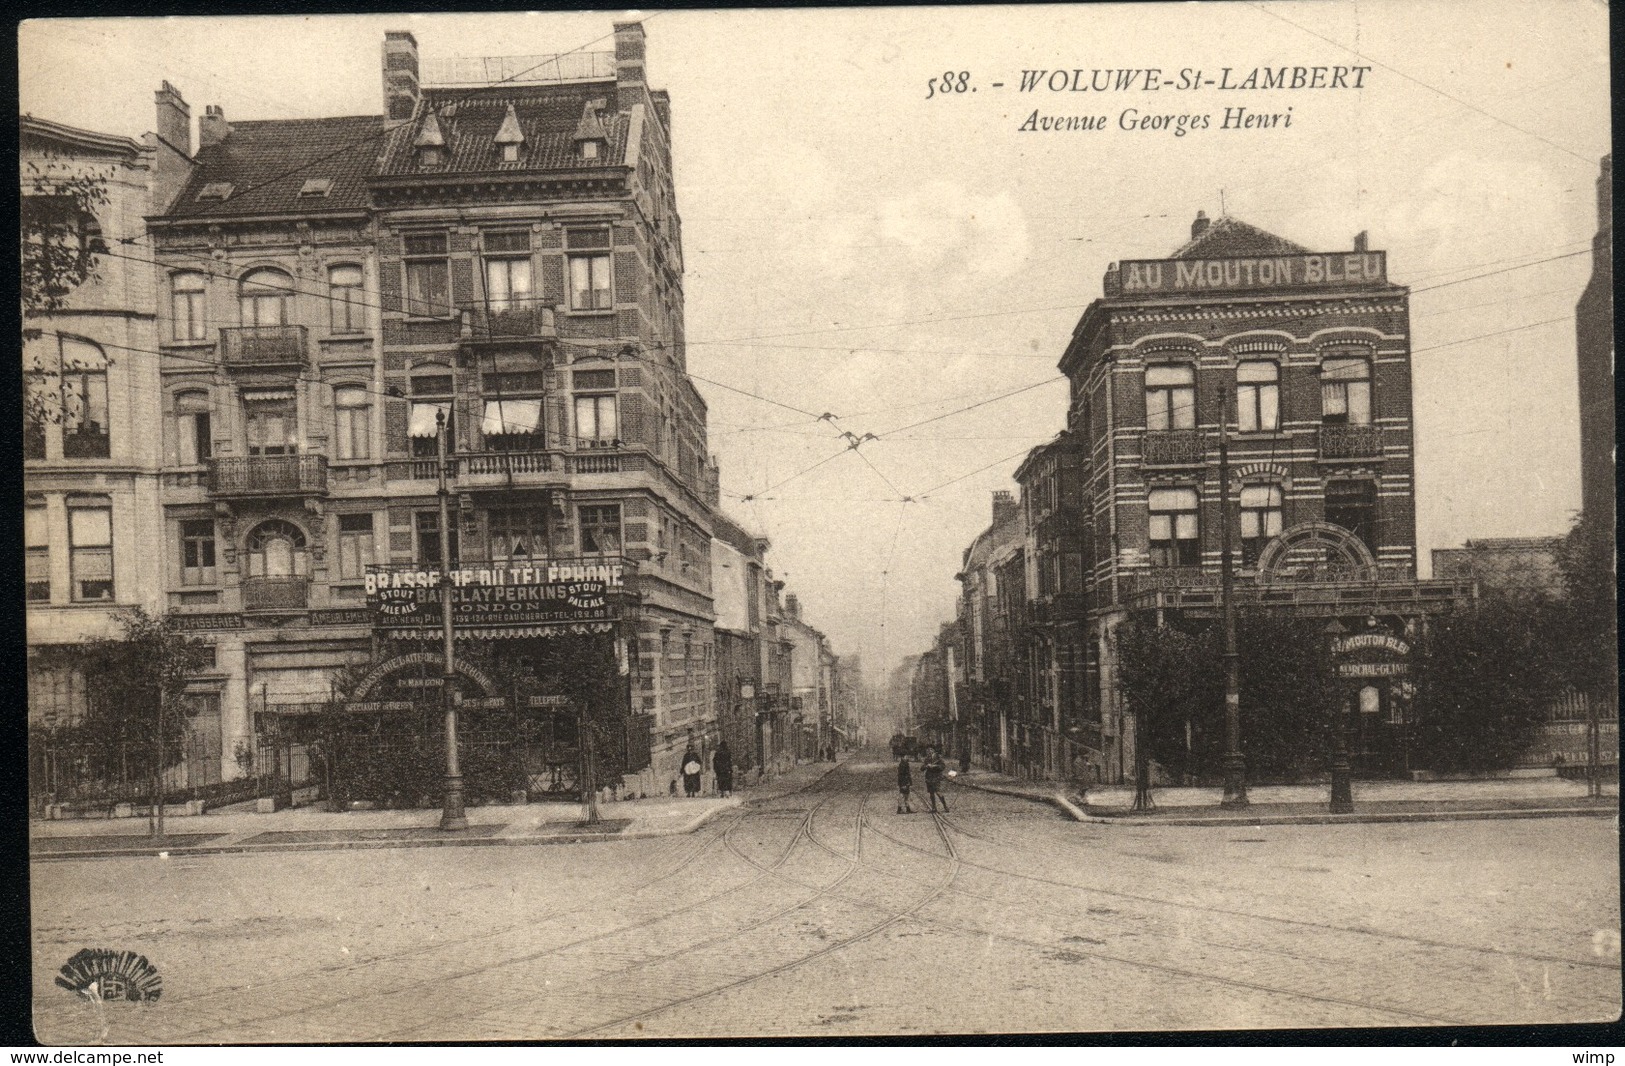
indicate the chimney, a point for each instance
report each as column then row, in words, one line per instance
column 792, row 606
column 1199, row 227
column 630, row 85
column 174, row 122
column 172, row 163
column 212, row 128
column 1004, row 507
column 401, row 89
column 1362, row 241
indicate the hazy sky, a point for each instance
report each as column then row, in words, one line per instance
column 855, row 248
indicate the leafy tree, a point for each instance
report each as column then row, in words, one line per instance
column 1170, row 677
column 1590, row 633
column 1486, row 674
column 133, row 723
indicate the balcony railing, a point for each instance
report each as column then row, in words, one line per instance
column 262, row 346
column 276, row 593
column 1176, row 447
column 269, row 475
column 514, row 320
column 505, row 462
column 1350, row 442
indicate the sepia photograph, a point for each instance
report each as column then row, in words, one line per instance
column 838, row 523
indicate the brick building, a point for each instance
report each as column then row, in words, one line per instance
column 1594, row 338
column 1305, row 358
column 504, row 258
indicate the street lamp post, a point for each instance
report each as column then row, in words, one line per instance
column 452, row 815
column 1235, row 764
column 1342, row 797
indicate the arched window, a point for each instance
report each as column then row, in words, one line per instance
column 352, row 411
column 1258, row 397
column 344, row 299
column 1170, row 397
column 84, row 401
column 193, row 435
column 1260, row 520
column 1173, row 537
column 186, row 307
column 1345, row 391
column 277, row 549
column 264, row 295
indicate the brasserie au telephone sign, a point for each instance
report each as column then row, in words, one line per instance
column 518, row 595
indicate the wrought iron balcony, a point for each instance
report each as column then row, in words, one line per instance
column 508, row 320
column 256, row 346
column 269, row 475
column 276, row 593
column 1172, row 447
column 1350, row 442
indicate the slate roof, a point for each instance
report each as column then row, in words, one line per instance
column 469, row 120
column 1228, row 237
column 257, row 158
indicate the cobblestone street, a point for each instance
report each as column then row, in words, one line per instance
column 826, row 913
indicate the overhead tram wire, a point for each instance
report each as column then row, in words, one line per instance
column 1418, row 81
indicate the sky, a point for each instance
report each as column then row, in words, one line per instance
column 861, row 245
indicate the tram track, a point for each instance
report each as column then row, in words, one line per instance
column 267, row 988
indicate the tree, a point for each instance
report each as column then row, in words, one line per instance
column 61, row 242
column 134, row 684
column 1590, row 617
column 1170, row 677
column 1486, row 674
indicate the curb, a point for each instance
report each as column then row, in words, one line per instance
column 1077, row 814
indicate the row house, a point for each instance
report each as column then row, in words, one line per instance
column 91, row 452
column 489, row 271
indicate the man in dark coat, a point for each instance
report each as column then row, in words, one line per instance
column 722, row 763
column 934, row 768
column 905, row 780
column 692, row 768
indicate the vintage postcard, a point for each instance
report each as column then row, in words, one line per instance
column 819, row 523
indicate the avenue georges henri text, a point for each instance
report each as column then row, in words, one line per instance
column 1155, row 80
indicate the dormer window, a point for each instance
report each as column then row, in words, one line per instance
column 430, row 143
column 589, row 149
column 316, row 187
column 590, row 133
column 215, row 190
column 509, row 137
column 431, row 155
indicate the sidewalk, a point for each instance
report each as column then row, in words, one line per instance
column 312, row 828
column 1374, row 801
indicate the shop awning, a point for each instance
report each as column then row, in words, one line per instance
column 423, row 421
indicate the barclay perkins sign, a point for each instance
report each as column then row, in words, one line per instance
column 498, row 594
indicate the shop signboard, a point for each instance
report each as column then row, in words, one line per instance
column 1138, row 277
column 552, row 593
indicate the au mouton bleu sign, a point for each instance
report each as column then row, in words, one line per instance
column 1146, row 276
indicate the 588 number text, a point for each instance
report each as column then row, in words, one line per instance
column 951, row 82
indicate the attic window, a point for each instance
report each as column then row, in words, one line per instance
column 589, row 149
column 316, row 187
column 431, row 155
column 215, row 190
column 510, row 153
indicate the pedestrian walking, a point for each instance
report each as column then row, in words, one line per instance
column 722, row 764
column 692, row 768
column 905, row 780
column 934, row 768
column 964, row 760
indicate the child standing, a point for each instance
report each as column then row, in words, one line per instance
column 905, row 779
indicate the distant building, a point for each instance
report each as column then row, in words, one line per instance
column 1594, row 341
column 1512, row 565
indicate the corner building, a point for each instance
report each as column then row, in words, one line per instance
column 1313, row 353
column 501, row 258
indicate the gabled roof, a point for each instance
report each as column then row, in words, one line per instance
column 1226, row 237
column 268, row 163
column 548, row 118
